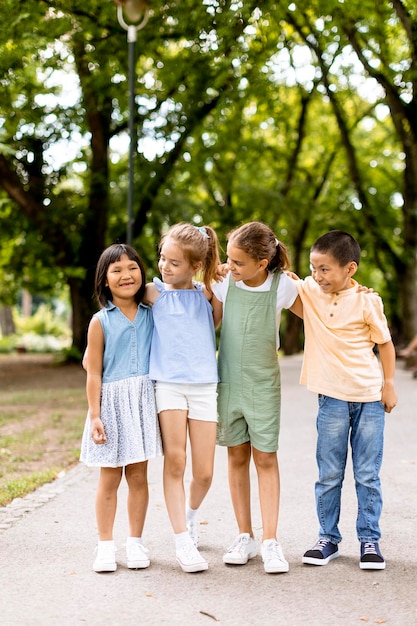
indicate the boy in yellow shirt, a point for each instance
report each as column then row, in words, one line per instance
column 341, row 327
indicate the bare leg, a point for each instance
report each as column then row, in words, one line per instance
column 203, row 445
column 138, row 496
column 106, row 501
column 239, row 484
column 269, row 491
column 174, row 438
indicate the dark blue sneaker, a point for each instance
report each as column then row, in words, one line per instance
column 321, row 553
column 371, row 557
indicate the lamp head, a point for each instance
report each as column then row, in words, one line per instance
column 134, row 10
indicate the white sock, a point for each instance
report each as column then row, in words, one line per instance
column 267, row 542
column 191, row 514
column 181, row 539
column 134, row 540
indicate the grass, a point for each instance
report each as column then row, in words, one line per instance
column 20, row 487
column 41, row 427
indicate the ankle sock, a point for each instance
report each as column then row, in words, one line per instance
column 191, row 514
column 181, row 539
column 134, row 540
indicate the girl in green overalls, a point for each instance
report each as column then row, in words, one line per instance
column 249, row 303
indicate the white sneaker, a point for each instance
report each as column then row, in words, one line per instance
column 242, row 549
column 136, row 555
column 190, row 559
column 273, row 558
column 105, row 560
column 192, row 528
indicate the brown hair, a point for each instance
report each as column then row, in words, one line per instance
column 199, row 244
column 260, row 242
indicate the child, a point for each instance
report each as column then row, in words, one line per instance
column 341, row 327
column 183, row 364
column 122, row 429
column 250, row 301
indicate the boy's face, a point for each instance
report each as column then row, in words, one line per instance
column 329, row 275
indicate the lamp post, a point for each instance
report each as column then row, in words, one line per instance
column 132, row 15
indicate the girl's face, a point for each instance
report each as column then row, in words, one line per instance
column 175, row 269
column 123, row 278
column 244, row 267
column 329, row 275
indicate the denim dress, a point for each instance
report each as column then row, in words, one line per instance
column 128, row 408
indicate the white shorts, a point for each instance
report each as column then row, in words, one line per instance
column 199, row 400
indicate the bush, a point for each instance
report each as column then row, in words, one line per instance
column 43, row 322
column 42, row 332
column 8, row 344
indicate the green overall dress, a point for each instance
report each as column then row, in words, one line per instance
column 249, row 392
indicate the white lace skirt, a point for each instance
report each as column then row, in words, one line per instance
column 130, row 422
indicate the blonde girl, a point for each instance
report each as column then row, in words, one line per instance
column 183, row 366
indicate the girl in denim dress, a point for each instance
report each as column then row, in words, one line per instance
column 121, row 431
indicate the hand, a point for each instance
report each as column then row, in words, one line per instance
column 221, row 272
column 366, row 289
column 292, row 275
column 389, row 398
column 97, row 431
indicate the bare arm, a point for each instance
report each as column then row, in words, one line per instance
column 94, row 379
column 297, row 307
column 217, row 311
column 389, row 396
column 151, row 294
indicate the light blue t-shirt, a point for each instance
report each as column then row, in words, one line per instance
column 126, row 343
column 183, row 348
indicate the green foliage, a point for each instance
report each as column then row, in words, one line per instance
column 300, row 115
column 44, row 331
column 70, row 355
column 43, row 322
column 8, row 344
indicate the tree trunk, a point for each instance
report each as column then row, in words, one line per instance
column 7, row 326
column 83, row 307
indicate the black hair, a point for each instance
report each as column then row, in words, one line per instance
column 342, row 246
column 112, row 254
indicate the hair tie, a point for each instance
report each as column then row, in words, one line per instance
column 202, row 230
column 276, row 242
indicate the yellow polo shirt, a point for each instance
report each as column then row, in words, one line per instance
column 341, row 330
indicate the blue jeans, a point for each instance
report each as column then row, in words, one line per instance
column 364, row 423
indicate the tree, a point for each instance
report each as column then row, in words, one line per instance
column 383, row 37
column 74, row 227
column 252, row 112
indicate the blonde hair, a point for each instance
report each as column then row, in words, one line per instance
column 260, row 242
column 199, row 244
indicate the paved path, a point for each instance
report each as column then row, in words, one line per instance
column 47, row 542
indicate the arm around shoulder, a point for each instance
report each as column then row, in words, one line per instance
column 297, row 307
column 151, row 294
column 217, row 311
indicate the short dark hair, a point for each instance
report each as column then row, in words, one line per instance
column 342, row 246
column 112, row 254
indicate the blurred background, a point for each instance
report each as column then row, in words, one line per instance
column 116, row 122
